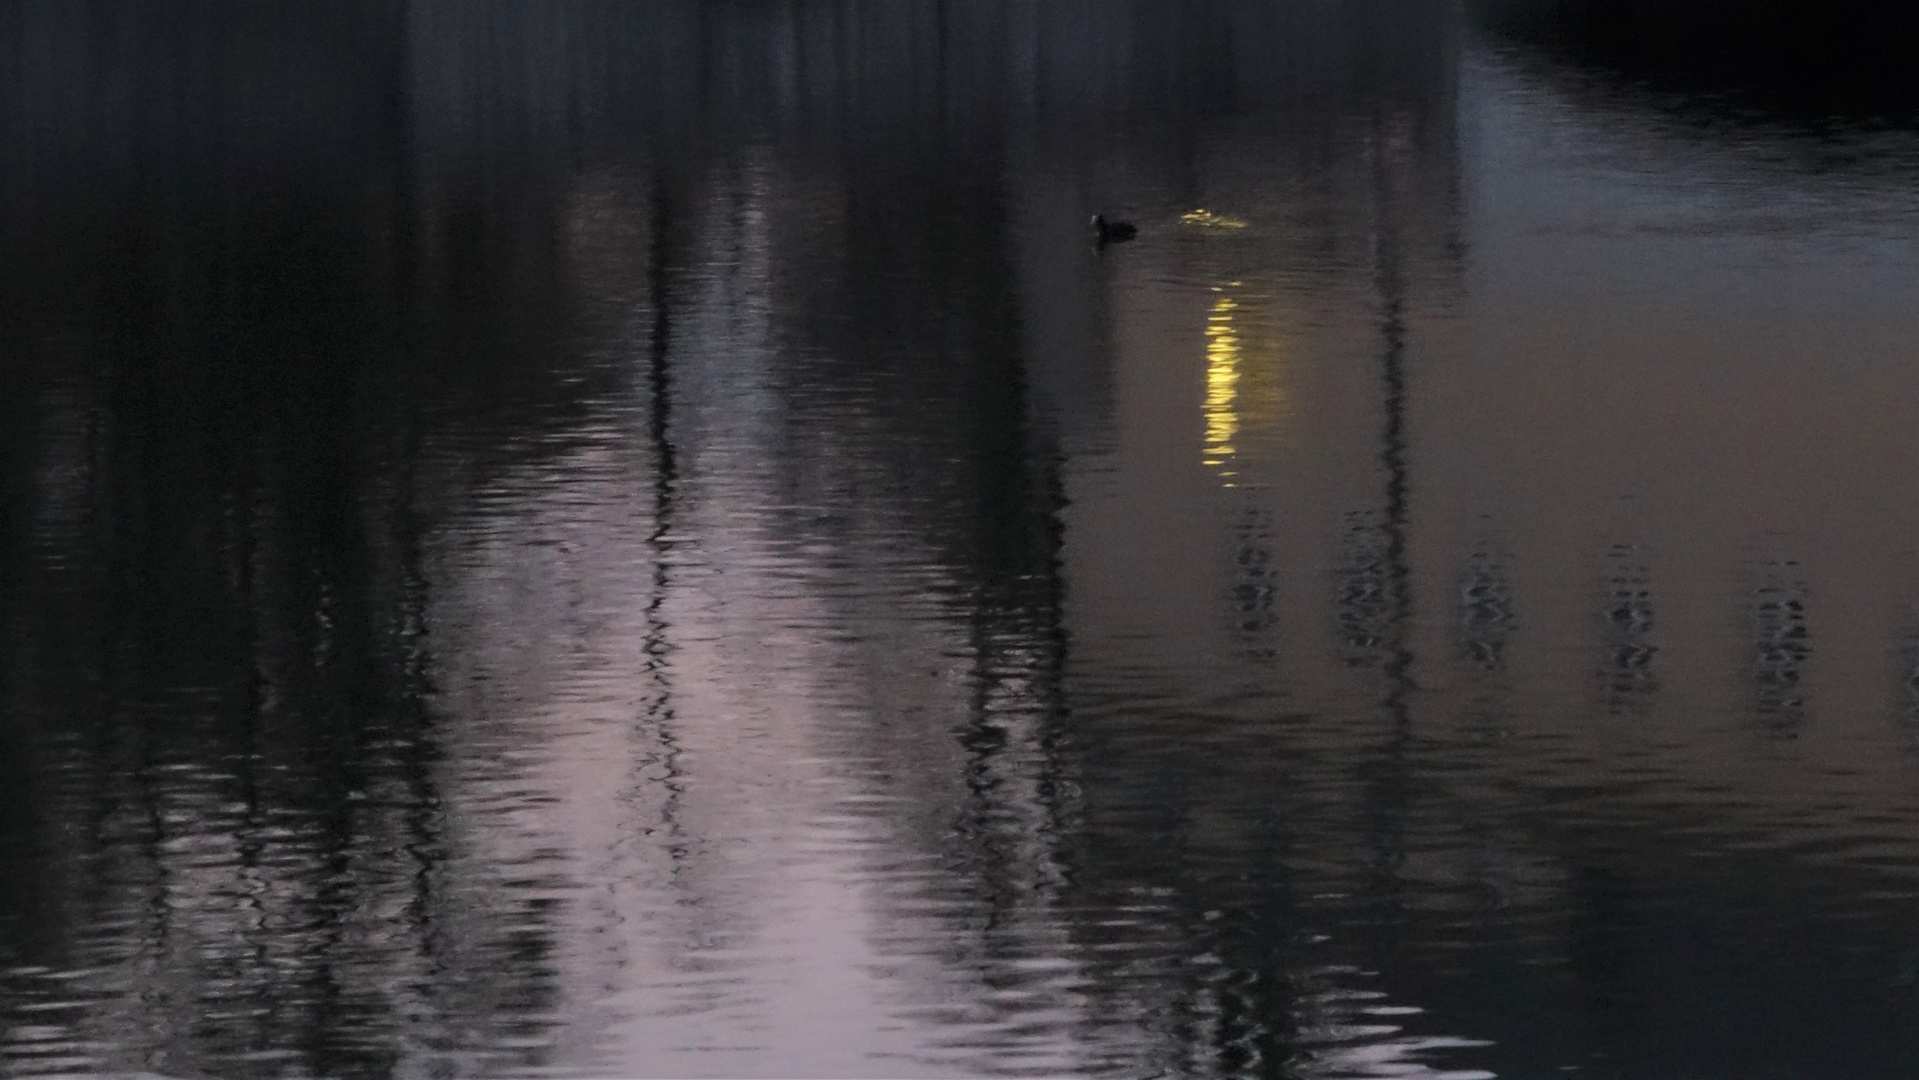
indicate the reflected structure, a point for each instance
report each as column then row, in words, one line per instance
column 1485, row 608
column 1781, row 643
column 1626, row 669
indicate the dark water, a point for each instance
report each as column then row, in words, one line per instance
column 631, row 539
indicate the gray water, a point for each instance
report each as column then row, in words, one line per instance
column 551, row 539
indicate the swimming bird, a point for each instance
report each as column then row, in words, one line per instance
column 1112, row 232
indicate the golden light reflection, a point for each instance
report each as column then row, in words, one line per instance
column 1210, row 220
column 1246, row 400
column 1223, row 357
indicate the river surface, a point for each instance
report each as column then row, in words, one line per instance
column 597, row 539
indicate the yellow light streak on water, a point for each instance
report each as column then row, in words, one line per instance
column 1223, row 356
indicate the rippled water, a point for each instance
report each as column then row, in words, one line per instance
column 587, row 538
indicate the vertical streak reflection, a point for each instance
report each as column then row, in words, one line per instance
column 1392, row 442
column 656, row 645
column 1387, row 786
column 1626, row 671
column 1223, row 356
column 1780, row 644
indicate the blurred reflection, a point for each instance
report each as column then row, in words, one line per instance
column 1368, row 586
column 1482, row 633
column 1626, row 670
column 1908, row 660
column 1255, row 589
column 1779, row 642
column 1485, row 607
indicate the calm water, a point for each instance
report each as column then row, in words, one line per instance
column 588, row 538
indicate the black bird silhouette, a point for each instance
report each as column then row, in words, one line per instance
column 1112, row 232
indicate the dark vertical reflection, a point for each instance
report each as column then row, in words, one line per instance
column 1906, row 653
column 1363, row 607
column 1254, row 588
column 1483, row 631
column 1780, row 644
column 1627, row 678
column 659, row 719
column 1485, row 607
column 1397, row 587
column 1385, row 773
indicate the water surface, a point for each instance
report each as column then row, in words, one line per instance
column 604, row 539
